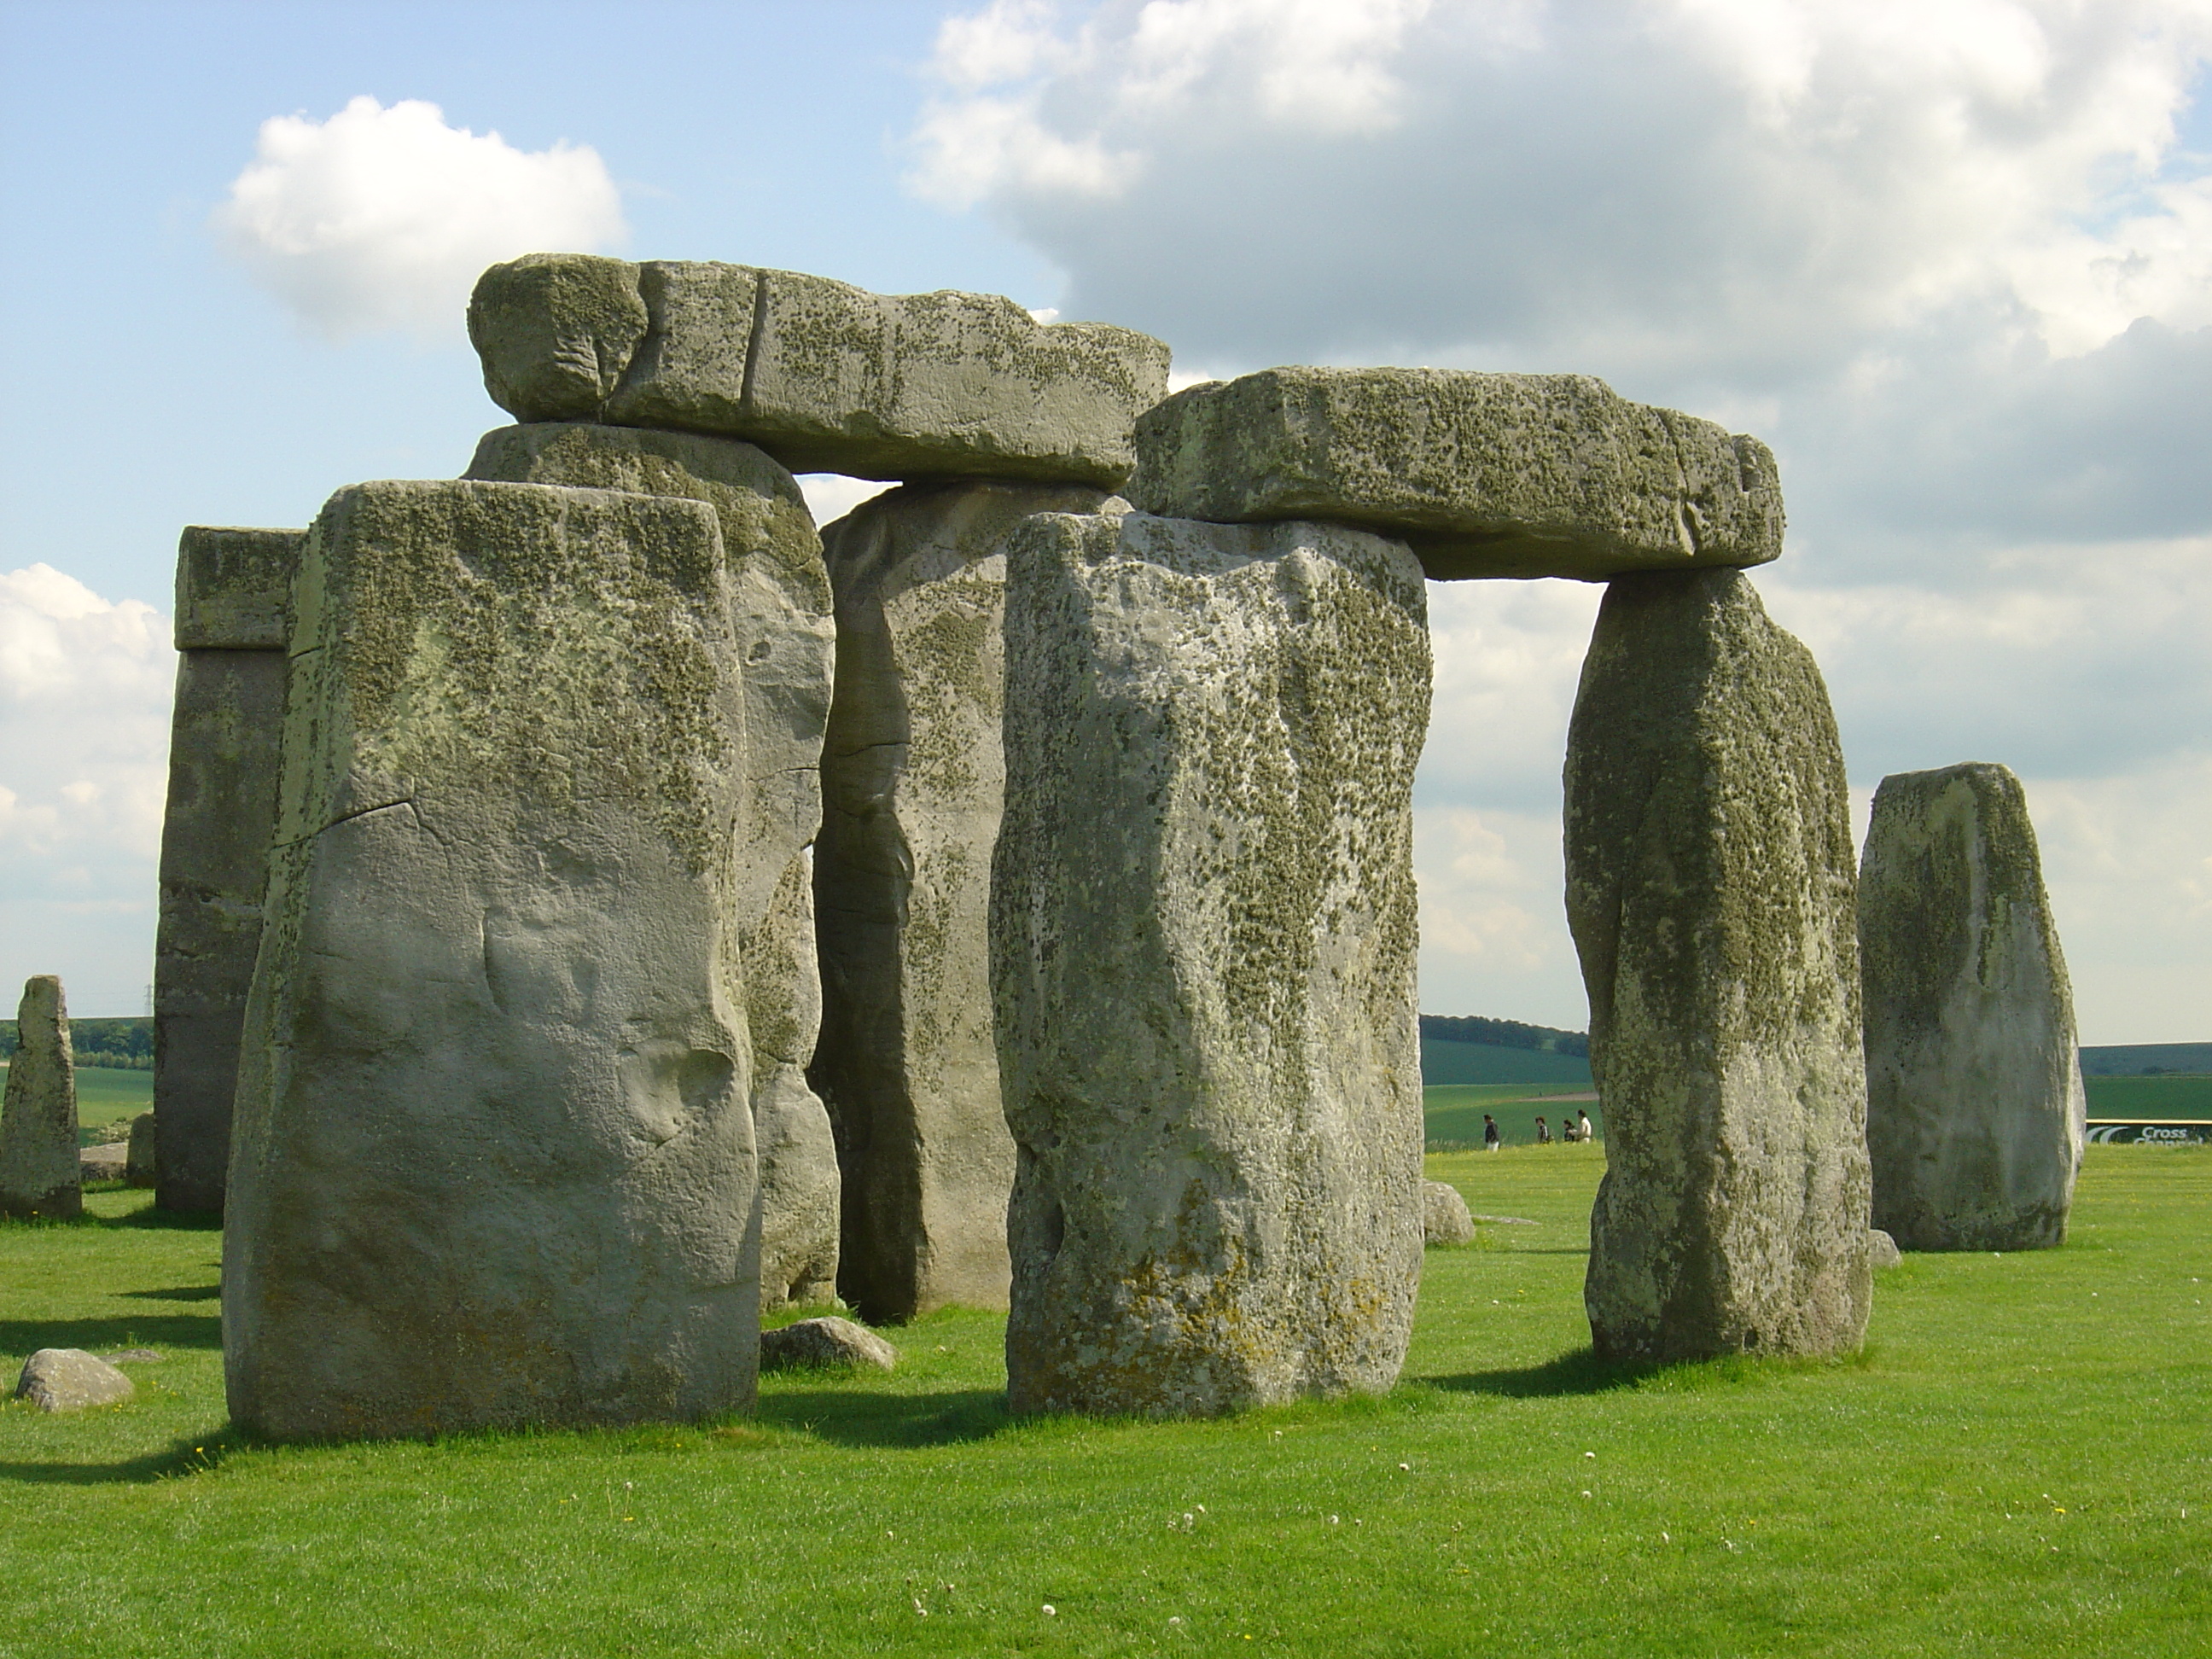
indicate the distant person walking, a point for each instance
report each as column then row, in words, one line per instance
column 1544, row 1132
column 1490, row 1138
column 1582, row 1126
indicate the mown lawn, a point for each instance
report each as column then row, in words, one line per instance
column 1453, row 1112
column 2018, row 1466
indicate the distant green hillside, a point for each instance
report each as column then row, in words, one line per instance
column 2150, row 1096
column 2146, row 1059
column 1445, row 1062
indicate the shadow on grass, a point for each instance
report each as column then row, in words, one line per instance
column 1582, row 1372
column 853, row 1417
column 156, row 1330
column 177, row 1293
column 182, row 1457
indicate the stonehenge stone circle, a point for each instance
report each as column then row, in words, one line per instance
column 39, row 1164
column 799, row 1181
column 492, row 1159
column 825, row 376
column 1974, row 1099
column 913, row 778
column 1484, row 475
column 1202, row 941
column 1710, row 890
column 234, row 632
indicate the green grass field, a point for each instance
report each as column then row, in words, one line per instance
column 1454, row 1111
column 2150, row 1096
column 1448, row 1063
column 2019, row 1466
column 107, row 1094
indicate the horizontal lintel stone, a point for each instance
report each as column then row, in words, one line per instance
column 825, row 376
column 1483, row 475
column 234, row 588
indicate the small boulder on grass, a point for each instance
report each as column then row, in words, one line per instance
column 1445, row 1219
column 823, row 1343
column 69, row 1379
column 1881, row 1250
column 106, row 1162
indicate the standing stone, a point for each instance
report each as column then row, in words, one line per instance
column 1709, row 888
column 141, row 1163
column 233, row 630
column 1974, row 1099
column 799, row 1176
column 1203, row 936
column 825, row 376
column 39, row 1167
column 493, row 1162
column 913, row 782
column 780, row 609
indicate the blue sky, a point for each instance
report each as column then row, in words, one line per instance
column 1953, row 258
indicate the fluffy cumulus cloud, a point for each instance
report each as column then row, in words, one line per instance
column 85, row 687
column 381, row 217
column 1952, row 258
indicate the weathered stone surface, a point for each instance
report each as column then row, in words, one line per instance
column 1445, row 1217
column 39, row 1164
column 493, row 1160
column 69, row 1380
column 1710, row 883
column 826, row 1343
column 1881, row 1250
column 141, row 1165
column 1484, row 475
column 779, row 599
column 799, row 1176
column 913, row 780
column 1974, row 1099
column 1203, row 939
column 780, row 607
column 555, row 331
column 106, row 1160
column 226, row 736
column 825, row 376
column 235, row 588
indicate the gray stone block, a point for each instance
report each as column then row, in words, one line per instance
column 1974, row 1101
column 1203, row 940
column 780, row 605
column 235, row 588
column 825, row 376
column 39, row 1169
column 226, row 738
column 142, row 1161
column 799, row 1181
column 1445, row 1217
column 493, row 1161
column 913, row 778
column 1484, row 475
column 72, row 1380
column 1709, row 888
column 826, row 1344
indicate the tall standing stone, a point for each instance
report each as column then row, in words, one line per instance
column 913, row 783
column 1203, row 943
column 233, row 632
column 493, row 1161
column 1974, row 1100
column 39, row 1165
column 1709, row 888
column 780, row 604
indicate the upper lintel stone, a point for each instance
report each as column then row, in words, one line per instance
column 825, row 376
column 1484, row 475
column 234, row 588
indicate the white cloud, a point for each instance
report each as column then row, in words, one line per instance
column 382, row 218
column 1493, row 933
column 85, row 689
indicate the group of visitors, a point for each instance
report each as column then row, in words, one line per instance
column 1579, row 1129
